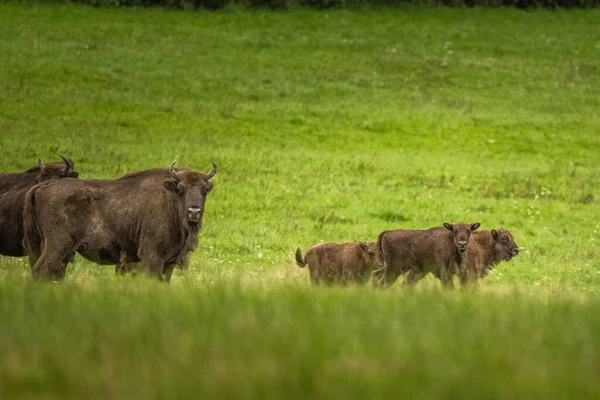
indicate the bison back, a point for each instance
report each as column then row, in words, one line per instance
column 405, row 249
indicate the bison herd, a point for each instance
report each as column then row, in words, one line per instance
column 453, row 249
column 153, row 217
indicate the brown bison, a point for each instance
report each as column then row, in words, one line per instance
column 151, row 216
column 339, row 263
column 486, row 250
column 419, row 252
column 13, row 188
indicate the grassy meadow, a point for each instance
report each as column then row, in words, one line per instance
column 325, row 126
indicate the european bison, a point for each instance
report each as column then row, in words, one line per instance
column 151, row 216
column 419, row 252
column 13, row 188
column 341, row 263
column 486, row 250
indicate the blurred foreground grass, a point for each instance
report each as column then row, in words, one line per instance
column 130, row 339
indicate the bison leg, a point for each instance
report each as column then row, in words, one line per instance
column 467, row 278
column 156, row 270
column 155, row 265
column 446, row 279
column 464, row 280
column 33, row 258
column 314, row 275
column 349, row 277
column 52, row 263
column 362, row 277
column 168, row 272
column 121, row 264
column 413, row 278
column 390, row 275
column 122, row 269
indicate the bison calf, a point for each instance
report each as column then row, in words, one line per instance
column 13, row 188
column 486, row 250
column 341, row 263
column 419, row 252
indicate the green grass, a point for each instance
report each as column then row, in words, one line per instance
column 225, row 341
column 326, row 126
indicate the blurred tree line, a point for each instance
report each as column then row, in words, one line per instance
column 325, row 4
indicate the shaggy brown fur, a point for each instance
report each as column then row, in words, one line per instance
column 486, row 250
column 151, row 216
column 13, row 188
column 419, row 252
column 339, row 263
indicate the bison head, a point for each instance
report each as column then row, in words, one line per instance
column 192, row 188
column 461, row 233
column 504, row 244
column 371, row 255
column 56, row 170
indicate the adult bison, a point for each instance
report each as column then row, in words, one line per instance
column 151, row 216
column 13, row 188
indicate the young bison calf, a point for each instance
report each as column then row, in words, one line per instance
column 486, row 250
column 341, row 263
column 419, row 252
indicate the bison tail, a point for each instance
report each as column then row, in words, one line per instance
column 32, row 236
column 380, row 245
column 378, row 274
column 299, row 260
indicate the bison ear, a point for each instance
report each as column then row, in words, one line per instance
column 448, row 226
column 495, row 234
column 170, row 185
column 474, row 226
column 41, row 164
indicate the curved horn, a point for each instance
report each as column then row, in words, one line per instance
column 41, row 163
column 68, row 163
column 212, row 172
column 174, row 173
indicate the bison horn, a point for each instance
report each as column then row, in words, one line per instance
column 174, row 173
column 68, row 163
column 41, row 163
column 212, row 172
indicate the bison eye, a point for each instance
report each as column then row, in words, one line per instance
column 179, row 190
column 504, row 239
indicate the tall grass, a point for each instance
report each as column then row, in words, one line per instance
column 242, row 341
